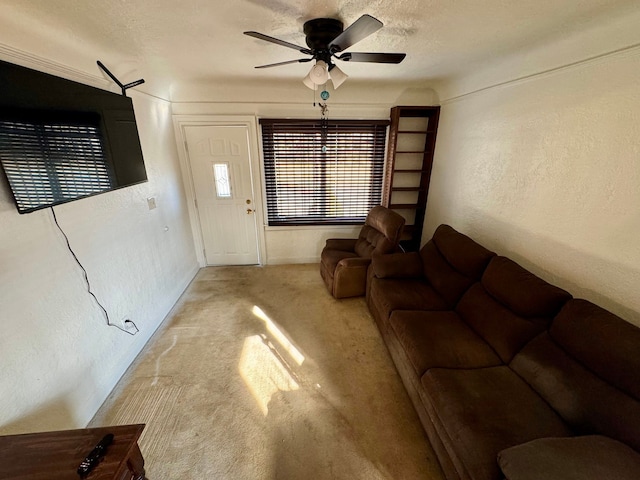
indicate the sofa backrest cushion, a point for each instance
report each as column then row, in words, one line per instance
column 510, row 306
column 499, row 326
column 602, row 342
column 381, row 232
column 452, row 262
column 587, row 368
column 464, row 254
column 521, row 291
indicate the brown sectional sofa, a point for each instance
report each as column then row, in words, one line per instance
column 511, row 377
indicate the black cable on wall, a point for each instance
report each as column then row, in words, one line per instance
column 86, row 279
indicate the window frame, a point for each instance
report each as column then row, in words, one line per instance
column 376, row 129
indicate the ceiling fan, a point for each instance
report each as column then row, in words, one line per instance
column 326, row 40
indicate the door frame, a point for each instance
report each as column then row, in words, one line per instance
column 180, row 123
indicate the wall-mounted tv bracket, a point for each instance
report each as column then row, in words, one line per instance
column 124, row 87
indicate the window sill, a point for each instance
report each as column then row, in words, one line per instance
column 284, row 228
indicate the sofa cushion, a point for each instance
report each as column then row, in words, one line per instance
column 440, row 339
column 615, row 356
column 479, row 412
column 499, row 326
column 446, row 280
column 452, row 262
column 521, row 291
column 578, row 458
column 586, row 368
column 461, row 252
column 388, row 295
column 397, row 265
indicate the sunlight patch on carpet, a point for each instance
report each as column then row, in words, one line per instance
column 263, row 372
column 282, row 339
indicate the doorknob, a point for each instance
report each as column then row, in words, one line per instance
column 249, row 211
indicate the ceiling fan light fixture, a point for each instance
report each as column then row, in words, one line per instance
column 337, row 76
column 309, row 83
column 319, row 73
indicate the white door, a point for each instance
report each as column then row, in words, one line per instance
column 221, row 169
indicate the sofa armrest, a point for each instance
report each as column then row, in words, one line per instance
column 588, row 457
column 354, row 262
column 344, row 244
column 397, row 265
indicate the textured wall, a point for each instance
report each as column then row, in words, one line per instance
column 547, row 170
column 59, row 359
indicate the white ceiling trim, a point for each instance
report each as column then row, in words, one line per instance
column 631, row 50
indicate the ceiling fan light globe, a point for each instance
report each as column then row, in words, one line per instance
column 309, row 83
column 337, row 76
column 319, row 73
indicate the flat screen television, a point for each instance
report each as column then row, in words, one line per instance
column 61, row 140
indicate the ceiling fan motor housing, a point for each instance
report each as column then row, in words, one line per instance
column 320, row 32
column 326, row 39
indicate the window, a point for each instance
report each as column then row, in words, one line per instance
column 319, row 172
column 221, row 176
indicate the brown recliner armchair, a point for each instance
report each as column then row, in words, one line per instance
column 344, row 261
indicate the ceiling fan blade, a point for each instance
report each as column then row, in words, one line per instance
column 358, row 30
column 372, row 57
column 262, row 36
column 301, row 60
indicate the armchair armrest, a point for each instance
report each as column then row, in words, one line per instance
column 354, row 262
column 350, row 277
column 344, row 244
column 397, row 265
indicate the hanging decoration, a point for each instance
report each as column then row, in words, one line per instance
column 324, row 122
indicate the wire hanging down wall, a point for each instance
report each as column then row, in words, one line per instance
column 86, row 279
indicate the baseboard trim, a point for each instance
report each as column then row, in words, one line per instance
column 291, row 260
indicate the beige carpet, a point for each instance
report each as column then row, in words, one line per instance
column 258, row 373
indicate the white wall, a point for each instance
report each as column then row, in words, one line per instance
column 300, row 244
column 59, row 358
column 547, row 170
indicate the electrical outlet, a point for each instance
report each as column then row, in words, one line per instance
column 129, row 326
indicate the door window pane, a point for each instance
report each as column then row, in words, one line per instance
column 223, row 184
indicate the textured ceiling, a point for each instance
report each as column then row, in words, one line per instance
column 198, row 41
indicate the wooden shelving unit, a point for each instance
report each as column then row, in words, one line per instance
column 412, row 140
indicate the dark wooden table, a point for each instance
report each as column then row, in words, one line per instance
column 57, row 455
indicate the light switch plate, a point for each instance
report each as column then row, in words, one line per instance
column 151, row 201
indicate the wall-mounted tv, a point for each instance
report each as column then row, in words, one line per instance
column 61, row 140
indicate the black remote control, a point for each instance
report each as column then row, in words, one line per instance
column 95, row 456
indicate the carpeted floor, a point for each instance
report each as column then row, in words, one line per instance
column 259, row 373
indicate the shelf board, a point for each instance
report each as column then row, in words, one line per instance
column 407, row 189
column 405, row 206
